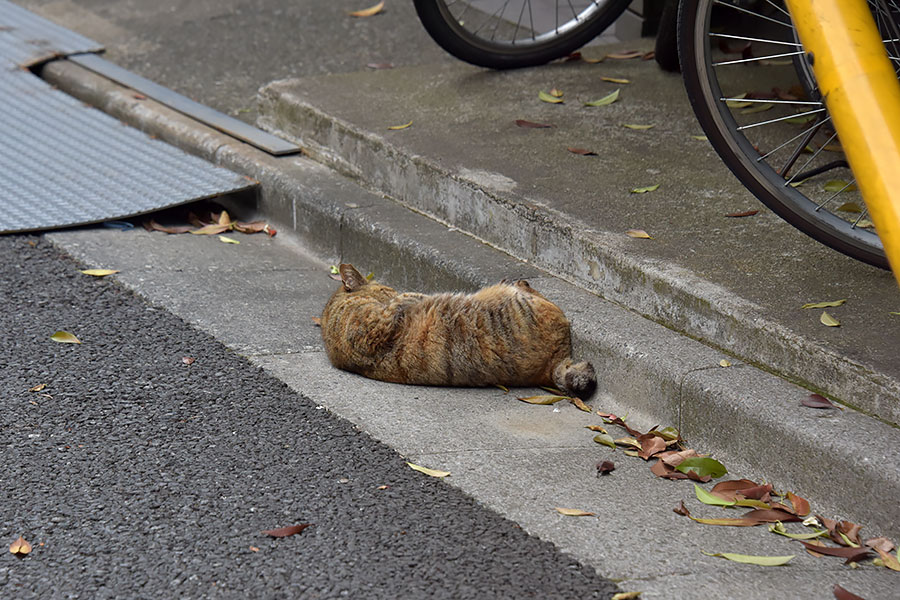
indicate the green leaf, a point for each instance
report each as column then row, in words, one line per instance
column 758, row 108
column 737, row 101
column 615, row 80
column 227, row 240
column 702, row 465
column 64, row 337
column 839, row 185
column 828, row 320
column 780, row 530
column 762, row 561
column 707, row 498
column 800, row 120
column 545, row 97
column 334, row 270
column 851, row 207
column 608, row 99
column 543, row 399
column 826, row 304
column 638, row 127
column 427, row 471
column 701, row 138
column 644, row 190
column 605, row 439
column 668, row 433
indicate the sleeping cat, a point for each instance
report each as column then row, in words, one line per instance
column 505, row 334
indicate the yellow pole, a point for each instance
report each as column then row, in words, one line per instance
column 862, row 94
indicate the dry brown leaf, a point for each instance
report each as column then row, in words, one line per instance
column 605, row 468
column 151, row 225
column 582, row 151
column 316, row 321
column 38, row 387
column 532, row 125
column 188, row 360
column 20, row 547
column 287, row 531
column 638, row 233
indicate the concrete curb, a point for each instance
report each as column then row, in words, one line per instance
column 479, row 203
column 748, row 418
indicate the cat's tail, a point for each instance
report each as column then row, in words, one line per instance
column 576, row 379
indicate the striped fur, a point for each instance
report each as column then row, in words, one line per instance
column 505, row 334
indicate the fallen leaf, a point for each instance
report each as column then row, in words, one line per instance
column 638, row 233
column 800, row 505
column 762, row 561
column 607, row 99
column 545, row 97
column 827, row 304
column 839, row 185
column 254, row 227
column 64, row 337
column 211, row 229
column 626, row 596
column 644, row 190
column 99, row 272
column 707, row 498
column 582, row 151
column 543, row 399
column 380, row 66
column 318, row 323
column 222, row 218
column 850, row 554
column 738, row 101
column 780, row 530
column 650, row 445
column 628, row 441
column 746, row 213
column 890, row 561
column 615, row 79
column 828, row 320
column 38, row 387
column 595, row 428
column 227, row 240
column 605, row 439
column 638, row 127
column 287, row 531
column 817, row 401
column 702, row 465
column 760, row 107
column 152, row 225
column 842, row 594
column 254, row 549
column 614, row 420
column 851, row 207
column 625, row 55
column 666, row 471
column 701, row 138
column 137, row 96
column 399, row 127
column 556, row 93
column 802, row 120
column 532, row 125
column 382, row 487
column 606, row 467
column 188, row 360
column 574, row 512
column 880, row 543
column 580, row 405
column 724, row 363
column 427, row 471
column 368, row 12
column 20, row 547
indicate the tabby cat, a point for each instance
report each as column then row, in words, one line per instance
column 506, row 334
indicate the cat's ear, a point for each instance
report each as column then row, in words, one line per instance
column 351, row 278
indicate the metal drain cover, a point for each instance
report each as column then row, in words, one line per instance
column 63, row 163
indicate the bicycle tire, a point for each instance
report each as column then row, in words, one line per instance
column 744, row 159
column 453, row 36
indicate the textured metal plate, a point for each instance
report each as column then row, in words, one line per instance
column 63, row 163
column 26, row 38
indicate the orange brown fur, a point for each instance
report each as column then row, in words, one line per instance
column 506, row 334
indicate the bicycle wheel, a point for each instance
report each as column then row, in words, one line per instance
column 756, row 98
column 507, row 34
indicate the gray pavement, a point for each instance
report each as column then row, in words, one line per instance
column 456, row 164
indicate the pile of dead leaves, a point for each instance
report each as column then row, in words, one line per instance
column 213, row 223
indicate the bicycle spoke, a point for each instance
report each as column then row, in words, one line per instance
column 753, row 39
column 757, row 58
column 779, row 119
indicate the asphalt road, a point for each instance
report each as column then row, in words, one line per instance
column 135, row 475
